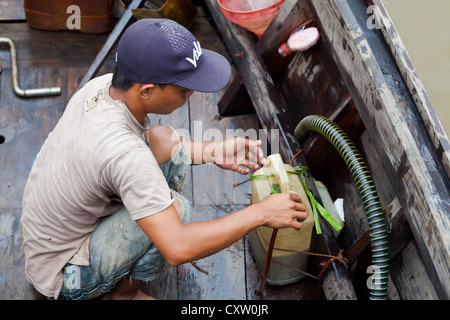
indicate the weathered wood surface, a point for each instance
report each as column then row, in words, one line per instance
column 217, row 283
column 235, row 100
column 262, row 91
column 12, row 10
column 269, row 106
column 24, row 126
column 388, row 110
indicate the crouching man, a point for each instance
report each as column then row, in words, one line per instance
column 100, row 211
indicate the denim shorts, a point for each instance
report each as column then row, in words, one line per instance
column 118, row 246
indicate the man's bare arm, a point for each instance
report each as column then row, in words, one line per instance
column 180, row 243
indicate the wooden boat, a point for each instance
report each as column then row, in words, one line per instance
column 359, row 77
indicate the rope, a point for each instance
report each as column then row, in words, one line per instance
column 340, row 257
column 295, row 156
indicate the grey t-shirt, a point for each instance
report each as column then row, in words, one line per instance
column 92, row 164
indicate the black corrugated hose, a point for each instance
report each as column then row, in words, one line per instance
column 368, row 193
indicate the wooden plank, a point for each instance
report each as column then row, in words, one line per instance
column 226, row 269
column 399, row 232
column 12, row 10
column 165, row 286
column 205, row 125
column 38, row 49
column 235, row 101
column 257, row 80
column 391, row 118
column 291, row 14
column 411, row 277
column 24, row 124
column 320, row 154
column 13, row 284
column 269, row 107
column 300, row 290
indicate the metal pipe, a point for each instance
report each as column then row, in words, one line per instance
column 38, row 92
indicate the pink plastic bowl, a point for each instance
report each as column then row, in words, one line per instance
column 254, row 15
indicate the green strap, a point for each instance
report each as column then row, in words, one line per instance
column 316, row 206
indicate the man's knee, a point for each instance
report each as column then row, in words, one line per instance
column 163, row 141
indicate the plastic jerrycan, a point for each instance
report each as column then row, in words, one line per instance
column 287, row 239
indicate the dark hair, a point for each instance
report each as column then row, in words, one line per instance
column 119, row 81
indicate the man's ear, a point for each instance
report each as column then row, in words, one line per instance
column 145, row 90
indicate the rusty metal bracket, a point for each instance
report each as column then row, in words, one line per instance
column 38, row 92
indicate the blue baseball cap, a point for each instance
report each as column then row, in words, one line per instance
column 161, row 51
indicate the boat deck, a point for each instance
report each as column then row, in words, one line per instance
column 47, row 59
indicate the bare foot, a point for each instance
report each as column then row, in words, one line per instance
column 139, row 295
column 127, row 289
column 142, row 296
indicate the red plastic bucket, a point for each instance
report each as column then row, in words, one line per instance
column 254, row 15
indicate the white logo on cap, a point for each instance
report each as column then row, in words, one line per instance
column 197, row 52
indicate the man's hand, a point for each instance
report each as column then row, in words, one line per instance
column 237, row 154
column 283, row 210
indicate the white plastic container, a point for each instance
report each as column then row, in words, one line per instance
column 329, row 205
